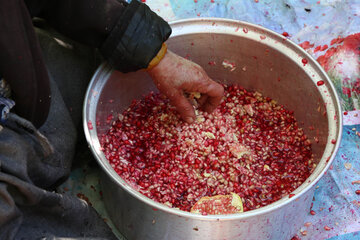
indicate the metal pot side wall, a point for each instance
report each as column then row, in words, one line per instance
column 263, row 61
column 139, row 221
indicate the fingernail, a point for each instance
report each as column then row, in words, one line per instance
column 189, row 119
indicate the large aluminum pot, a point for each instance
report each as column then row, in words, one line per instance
column 265, row 61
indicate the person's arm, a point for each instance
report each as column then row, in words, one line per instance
column 86, row 21
column 129, row 37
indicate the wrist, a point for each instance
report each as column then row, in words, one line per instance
column 157, row 59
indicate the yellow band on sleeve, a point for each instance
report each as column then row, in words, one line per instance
column 155, row 61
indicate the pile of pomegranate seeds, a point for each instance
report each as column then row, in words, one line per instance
column 249, row 145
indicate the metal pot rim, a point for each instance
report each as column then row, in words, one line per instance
column 325, row 162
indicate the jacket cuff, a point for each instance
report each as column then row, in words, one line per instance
column 136, row 38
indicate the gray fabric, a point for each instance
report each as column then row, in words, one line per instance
column 29, row 170
column 70, row 64
column 5, row 90
column 6, row 105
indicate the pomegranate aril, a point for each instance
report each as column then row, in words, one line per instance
column 327, row 228
column 320, row 83
column 176, row 163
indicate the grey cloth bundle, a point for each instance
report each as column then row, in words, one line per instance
column 34, row 161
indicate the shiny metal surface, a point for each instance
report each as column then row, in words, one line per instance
column 264, row 61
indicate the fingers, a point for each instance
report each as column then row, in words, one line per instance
column 215, row 92
column 202, row 100
column 174, row 75
column 183, row 106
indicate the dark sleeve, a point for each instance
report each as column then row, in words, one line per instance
column 128, row 35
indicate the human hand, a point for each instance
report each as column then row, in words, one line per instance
column 175, row 76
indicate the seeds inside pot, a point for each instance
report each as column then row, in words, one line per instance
column 249, row 145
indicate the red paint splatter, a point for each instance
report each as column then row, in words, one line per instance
column 304, row 61
column 195, row 1
column 318, row 48
column 333, row 141
column 357, row 192
column 337, row 40
column 312, row 212
column 154, row 209
column 306, row 45
column 285, row 34
column 291, row 195
column 212, row 63
column 323, row 48
column 262, row 37
column 192, row 44
column 320, row 83
column 296, row 237
column 345, row 113
column 324, row 59
column 346, row 91
column 212, row 1
column 143, row 1
column 245, row 30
